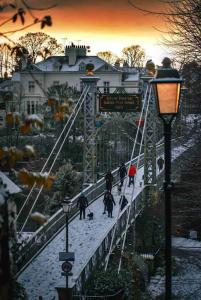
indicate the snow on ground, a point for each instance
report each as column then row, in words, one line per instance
column 187, row 244
column 10, row 185
column 44, row 273
column 24, row 236
column 186, row 280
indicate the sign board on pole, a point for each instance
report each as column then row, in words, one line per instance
column 66, row 266
column 120, row 102
column 66, row 256
column 66, row 274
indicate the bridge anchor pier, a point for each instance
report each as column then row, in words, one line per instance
column 65, row 293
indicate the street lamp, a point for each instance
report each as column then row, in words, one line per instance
column 66, row 292
column 167, row 86
column 67, row 204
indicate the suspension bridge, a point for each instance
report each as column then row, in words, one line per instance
column 91, row 241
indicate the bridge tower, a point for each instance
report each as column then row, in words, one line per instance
column 89, row 157
column 150, row 143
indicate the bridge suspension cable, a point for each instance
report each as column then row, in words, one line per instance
column 123, row 193
column 133, row 189
column 73, row 118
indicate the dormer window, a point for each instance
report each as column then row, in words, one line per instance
column 82, row 67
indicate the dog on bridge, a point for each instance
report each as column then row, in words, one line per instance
column 90, row 215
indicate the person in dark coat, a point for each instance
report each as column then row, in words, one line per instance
column 104, row 201
column 123, row 201
column 108, row 181
column 122, row 173
column 119, row 189
column 109, row 202
column 82, row 203
column 160, row 163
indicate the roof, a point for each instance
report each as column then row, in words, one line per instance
column 53, row 63
column 16, row 76
column 5, row 85
column 129, row 69
column 132, row 77
column 11, row 186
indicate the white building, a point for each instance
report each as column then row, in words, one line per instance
column 34, row 80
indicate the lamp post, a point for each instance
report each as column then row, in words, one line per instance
column 167, row 86
column 66, row 292
column 66, row 208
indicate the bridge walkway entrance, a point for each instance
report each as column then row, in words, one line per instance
column 84, row 238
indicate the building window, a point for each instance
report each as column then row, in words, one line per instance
column 31, row 87
column 28, row 108
column 12, row 107
column 106, row 85
column 106, row 67
column 37, row 107
column 2, row 106
column 32, row 107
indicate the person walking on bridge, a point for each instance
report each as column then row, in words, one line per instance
column 82, row 203
column 131, row 174
column 160, row 163
column 122, row 173
column 123, row 201
column 104, row 201
column 108, row 181
column 109, row 202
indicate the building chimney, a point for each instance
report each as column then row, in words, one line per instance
column 72, row 52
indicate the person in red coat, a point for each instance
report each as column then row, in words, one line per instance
column 131, row 174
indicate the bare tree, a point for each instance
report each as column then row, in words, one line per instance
column 192, row 74
column 39, row 44
column 108, row 56
column 184, row 30
column 134, row 55
column 183, row 34
column 16, row 11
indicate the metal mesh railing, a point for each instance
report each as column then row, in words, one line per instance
column 116, row 296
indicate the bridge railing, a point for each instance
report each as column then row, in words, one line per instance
column 116, row 296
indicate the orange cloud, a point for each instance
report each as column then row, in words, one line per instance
column 100, row 22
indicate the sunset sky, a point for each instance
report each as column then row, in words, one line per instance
column 104, row 24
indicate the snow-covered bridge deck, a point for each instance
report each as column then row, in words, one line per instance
column 44, row 273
